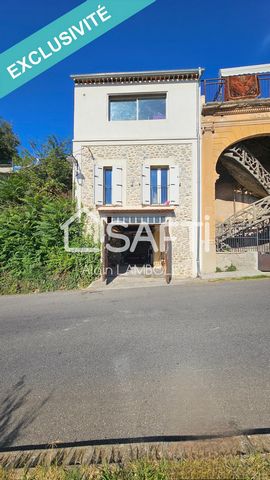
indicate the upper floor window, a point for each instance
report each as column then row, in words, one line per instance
column 143, row 107
column 159, row 179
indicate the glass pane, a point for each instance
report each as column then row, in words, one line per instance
column 108, row 186
column 152, row 109
column 154, row 186
column 164, row 185
column 123, row 110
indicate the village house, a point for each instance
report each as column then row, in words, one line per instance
column 137, row 149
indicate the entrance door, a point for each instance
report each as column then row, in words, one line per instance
column 168, row 256
column 104, row 259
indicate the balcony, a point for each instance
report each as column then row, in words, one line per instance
column 214, row 90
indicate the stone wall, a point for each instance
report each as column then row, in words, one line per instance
column 132, row 158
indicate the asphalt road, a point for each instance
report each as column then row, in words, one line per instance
column 179, row 360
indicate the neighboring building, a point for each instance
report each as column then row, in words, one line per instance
column 236, row 168
column 137, row 143
column 5, row 169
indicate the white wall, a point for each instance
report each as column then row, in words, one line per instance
column 91, row 122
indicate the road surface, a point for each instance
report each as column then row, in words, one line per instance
column 184, row 360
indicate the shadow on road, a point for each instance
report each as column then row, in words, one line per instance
column 15, row 416
column 135, row 440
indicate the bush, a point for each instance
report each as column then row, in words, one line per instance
column 34, row 203
column 231, row 268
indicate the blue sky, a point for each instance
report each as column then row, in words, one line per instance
column 169, row 34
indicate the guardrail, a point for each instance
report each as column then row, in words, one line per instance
column 214, row 88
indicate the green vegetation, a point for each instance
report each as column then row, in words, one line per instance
column 231, row 268
column 34, row 203
column 248, row 468
column 8, row 143
column 229, row 279
column 256, row 277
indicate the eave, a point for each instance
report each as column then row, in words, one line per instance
column 173, row 76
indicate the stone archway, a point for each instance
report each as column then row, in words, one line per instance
column 221, row 130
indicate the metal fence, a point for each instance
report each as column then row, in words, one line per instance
column 214, row 88
column 256, row 240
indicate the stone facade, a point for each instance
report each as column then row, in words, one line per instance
column 132, row 157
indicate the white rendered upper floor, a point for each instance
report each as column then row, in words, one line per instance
column 137, row 107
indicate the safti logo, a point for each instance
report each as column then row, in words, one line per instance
column 168, row 232
column 61, row 38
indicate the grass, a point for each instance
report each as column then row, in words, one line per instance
column 252, row 467
column 229, row 279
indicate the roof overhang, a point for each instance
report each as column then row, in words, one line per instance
column 138, row 77
column 249, row 70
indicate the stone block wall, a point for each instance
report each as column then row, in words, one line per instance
column 132, row 158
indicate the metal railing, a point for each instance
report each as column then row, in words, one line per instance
column 107, row 195
column 244, row 157
column 214, row 88
column 159, row 195
column 254, row 239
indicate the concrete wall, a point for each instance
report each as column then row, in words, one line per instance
column 246, row 261
column 91, row 114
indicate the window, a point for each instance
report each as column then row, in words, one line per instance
column 152, row 107
column 159, row 185
column 107, row 182
column 108, row 185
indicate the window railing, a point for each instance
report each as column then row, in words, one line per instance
column 214, row 88
column 107, row 195
column 159, row 195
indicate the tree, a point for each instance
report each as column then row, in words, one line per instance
column 51, row 176
column 9, row 143
column 34, row 203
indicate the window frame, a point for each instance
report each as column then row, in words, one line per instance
column 159, row 169
column 138, row 97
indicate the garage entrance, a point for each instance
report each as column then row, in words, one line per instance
column 143, row 254
column 127, row 253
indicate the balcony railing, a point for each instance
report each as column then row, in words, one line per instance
column 159, row 195
column 214, row 88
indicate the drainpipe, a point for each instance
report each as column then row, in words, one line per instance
column 198, row 253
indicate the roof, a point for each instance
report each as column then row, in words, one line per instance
column 139, row 77
column 229, row 72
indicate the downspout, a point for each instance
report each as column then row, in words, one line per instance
column 198, row 254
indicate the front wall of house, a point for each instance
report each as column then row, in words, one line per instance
column 132, row 158
column 92, row 113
